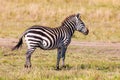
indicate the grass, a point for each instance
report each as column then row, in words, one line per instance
column 101, row 17
column 83, row 63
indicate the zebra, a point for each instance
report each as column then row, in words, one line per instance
column 48, row 38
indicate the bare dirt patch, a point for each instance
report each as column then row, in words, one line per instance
column 96, row 44
column 10, row 42
column 7, row 42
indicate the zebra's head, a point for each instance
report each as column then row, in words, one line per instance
column 80, row 26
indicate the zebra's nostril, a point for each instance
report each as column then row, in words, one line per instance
column 87, row 32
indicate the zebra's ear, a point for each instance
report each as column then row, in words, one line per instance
column 78, row 15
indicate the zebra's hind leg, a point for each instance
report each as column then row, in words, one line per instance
column 63, row 56
column 28, row 57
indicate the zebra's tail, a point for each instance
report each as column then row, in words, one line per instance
column 20, row 42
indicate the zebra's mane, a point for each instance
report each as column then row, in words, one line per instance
column 68, row 18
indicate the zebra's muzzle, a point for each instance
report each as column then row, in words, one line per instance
column 86, row 32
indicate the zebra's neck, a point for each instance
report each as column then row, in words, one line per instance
column 69, row 26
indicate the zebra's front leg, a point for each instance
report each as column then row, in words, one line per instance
column 58, row 58
column 28, row 58
column 63, row 56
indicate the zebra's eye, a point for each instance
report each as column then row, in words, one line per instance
column 82, row 27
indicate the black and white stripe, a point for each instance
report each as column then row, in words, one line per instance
column 50, row 38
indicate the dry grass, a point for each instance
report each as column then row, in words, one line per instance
column 101, row 17
column 83, row 63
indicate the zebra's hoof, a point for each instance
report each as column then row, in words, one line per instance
column 57, row 68
column 27, row 66
column 64, row 66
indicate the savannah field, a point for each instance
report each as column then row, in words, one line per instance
column 92, row 57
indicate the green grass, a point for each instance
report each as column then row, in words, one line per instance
column 83, row 63
column 101, row 17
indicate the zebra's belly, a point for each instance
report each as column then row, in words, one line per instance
column 46, row 45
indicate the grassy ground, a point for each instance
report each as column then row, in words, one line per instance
column 83, row 63
column 101, row 17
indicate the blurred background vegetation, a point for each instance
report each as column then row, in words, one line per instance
column 102, row 17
